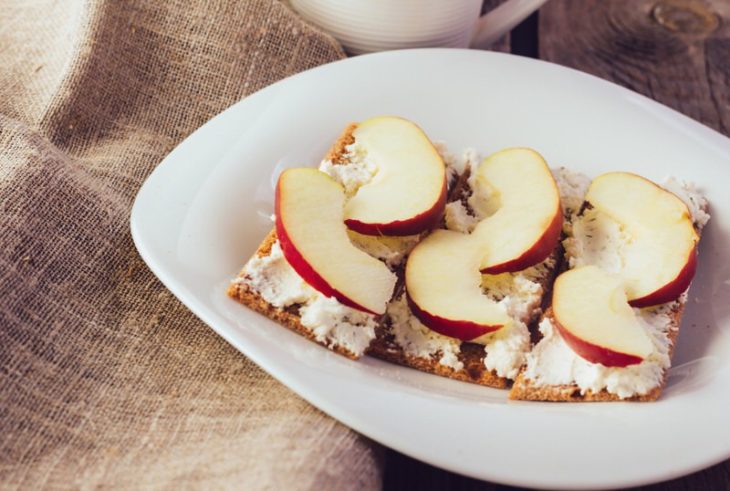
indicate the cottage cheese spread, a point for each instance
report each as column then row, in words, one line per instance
column 276, row 281
column 418, row 340
column 356, row 170
column 520, row 295
column 458, row 218
column 331, row 322
column 338, row 325
column 687, row 192
column 572, row 186
column 391, row 250
column 505, row 349
column 596, row 239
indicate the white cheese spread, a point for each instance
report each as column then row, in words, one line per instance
column 391, row 250
column 505, row 349
column 458, row 218
column 573, row 187
column 331, row 322
column 456, row 215
column 596, row 239
column 356, row 170
column 276, row 281
column 687, row 192
column 338, row 325
column 419, row 341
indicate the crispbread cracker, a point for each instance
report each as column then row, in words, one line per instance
column 288, row 317
column 526, row 390
column 337, row 152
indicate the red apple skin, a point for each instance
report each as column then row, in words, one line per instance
column 463, row 330
column 537, row 253
column 412, row 226
column 673, row 289
column 594, row 353
column 301, row 266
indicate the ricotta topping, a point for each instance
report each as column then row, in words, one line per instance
column 331, row 322
column 458, row 218
column 505, row 350
column 356, row 170
column 520, row 295
column 687, row 192
column 457, row 165
column 553, row 362
column 596, row 239
column 573, row 187
column 456, row 215
column 391, row 250
column 418, row 340
column 337, row 324
column 276, row 281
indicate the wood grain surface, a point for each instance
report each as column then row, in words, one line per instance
column 676, row 52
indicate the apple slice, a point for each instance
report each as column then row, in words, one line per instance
column 313, row 237
column 526, row 226
column 660, row 259
column 443, row 287
column 594, row 318
column 407, row 195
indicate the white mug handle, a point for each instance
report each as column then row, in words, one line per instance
column 501, row 20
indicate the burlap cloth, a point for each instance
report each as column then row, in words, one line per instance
column 106, row 380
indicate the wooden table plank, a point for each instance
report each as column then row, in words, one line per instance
column 676, row 52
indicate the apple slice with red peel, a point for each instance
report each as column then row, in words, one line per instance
column 526, row 226
column 660, row 259
column 407, row 195
column 516, row 189
column 443, row 287
column 313, row 237
column 594, row 318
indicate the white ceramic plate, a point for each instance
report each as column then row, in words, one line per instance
column 203, row 211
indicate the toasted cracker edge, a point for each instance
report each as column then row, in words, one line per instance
column 242, row 293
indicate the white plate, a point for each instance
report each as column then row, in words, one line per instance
column 203, row 211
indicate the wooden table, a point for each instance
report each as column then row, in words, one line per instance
column 675, row 51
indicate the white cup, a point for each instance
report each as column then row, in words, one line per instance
column 364, row 26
